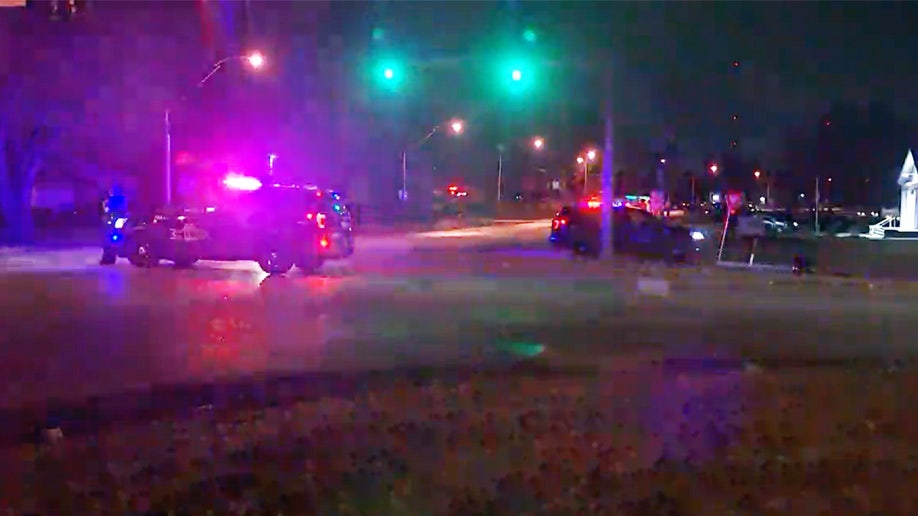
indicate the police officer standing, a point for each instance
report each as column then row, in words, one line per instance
column 116, row 204
column 114, row 207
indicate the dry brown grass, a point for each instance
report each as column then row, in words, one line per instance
column 626, row 442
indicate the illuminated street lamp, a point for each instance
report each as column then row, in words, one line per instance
column 713, row 169
column 759, row 175
column 254, row 60
column 590, row 156
column 456, row 125
column 538, row 143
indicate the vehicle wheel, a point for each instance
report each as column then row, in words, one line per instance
column 275, row 262
column 309, row 264
column 185, row 262
column 143, row 256
column 109, row 256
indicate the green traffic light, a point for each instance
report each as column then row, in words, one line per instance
column 516, row 75
column 388, row 74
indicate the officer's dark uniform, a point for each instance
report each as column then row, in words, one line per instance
column 115, row 207
column 116, row 204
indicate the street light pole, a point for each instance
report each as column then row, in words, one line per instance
column 404, row 193
column 168, row 130
column 500, row 173
column 456, row 126
column 255, row 60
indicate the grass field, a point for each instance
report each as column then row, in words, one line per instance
column 640, row 439
column 832, row 255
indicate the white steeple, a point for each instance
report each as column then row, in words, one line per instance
column 908, row 201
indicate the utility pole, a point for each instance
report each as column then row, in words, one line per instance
column 608, row 176
column 816, row 220
column 692, row 179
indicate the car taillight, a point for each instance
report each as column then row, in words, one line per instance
column 318, row 217
column 324, row 242
column 557, row 223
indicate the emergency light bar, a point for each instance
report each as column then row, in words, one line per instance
column 241, row 182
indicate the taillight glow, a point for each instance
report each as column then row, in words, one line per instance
column 324, row 242
column 594, row 204
column 557, row 223
column 240, row 182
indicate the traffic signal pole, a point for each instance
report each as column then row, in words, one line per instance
column 608, row 176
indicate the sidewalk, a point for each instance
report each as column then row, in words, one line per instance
column 50, row 239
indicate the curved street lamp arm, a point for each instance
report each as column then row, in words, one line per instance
column 430, row 135
column 217, row 66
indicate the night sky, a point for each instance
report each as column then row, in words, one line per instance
column 675, row 59
column 673, row 64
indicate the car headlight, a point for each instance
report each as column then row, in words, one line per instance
column 697, row 236
column 120, row 223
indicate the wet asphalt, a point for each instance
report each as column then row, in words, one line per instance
column 125, row 340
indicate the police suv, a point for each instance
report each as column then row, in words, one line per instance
column 277, row 225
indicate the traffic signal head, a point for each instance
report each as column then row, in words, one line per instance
column 388, row 74
column 530, row 36
column 516, row 75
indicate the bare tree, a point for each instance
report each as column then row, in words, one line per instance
column 25, row 143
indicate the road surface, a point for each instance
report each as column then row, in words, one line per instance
column 73, row 329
